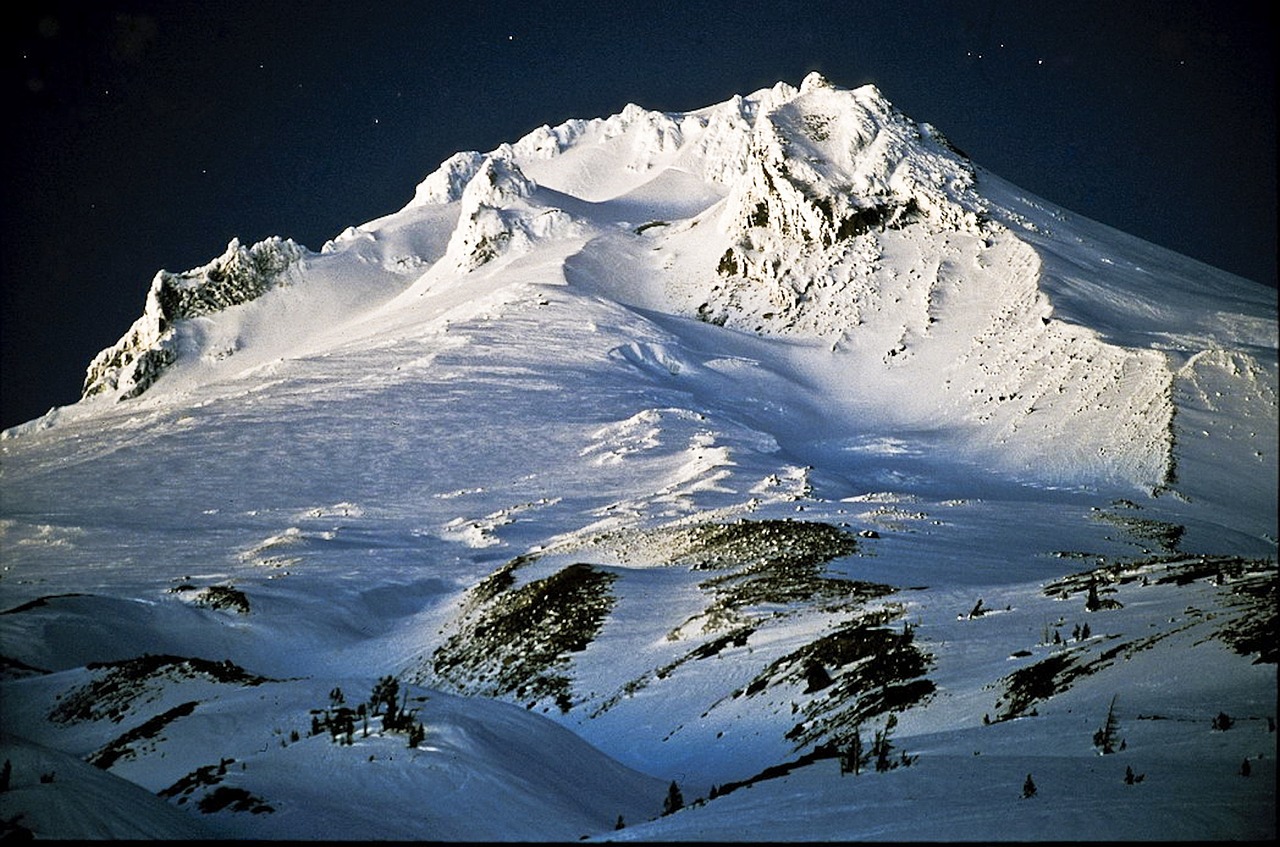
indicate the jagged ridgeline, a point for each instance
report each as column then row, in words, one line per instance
column 814, row 213
column 521, row 630
column 152, row 344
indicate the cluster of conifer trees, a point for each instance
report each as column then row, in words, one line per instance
column 854, row 757
column 385, row 701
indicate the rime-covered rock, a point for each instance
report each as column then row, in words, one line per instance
column 239, row 275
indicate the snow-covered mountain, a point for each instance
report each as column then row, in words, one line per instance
column 689, row 451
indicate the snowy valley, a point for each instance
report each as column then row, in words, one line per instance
column 773, row 455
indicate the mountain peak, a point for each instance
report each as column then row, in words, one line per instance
column 815, row 212
column 661, row 446
column 813, row 81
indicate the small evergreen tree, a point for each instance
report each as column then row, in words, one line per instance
column 1092, row 604
column 853, row 757
column 1106, row 737
column 620, row 824
column 817, row 677
column 882, row 746
column 674, row 801
column 1245, row 770
column 1095, row 603
column 385, row 693
column 1028, row 788
column 1128, row 775
column 417, row 734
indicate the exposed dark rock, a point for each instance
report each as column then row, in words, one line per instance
column 114, row 690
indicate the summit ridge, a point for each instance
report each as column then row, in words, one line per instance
column 814, row 212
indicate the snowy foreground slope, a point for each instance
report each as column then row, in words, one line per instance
column 704, row 448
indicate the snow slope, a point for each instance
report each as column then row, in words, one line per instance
column 661, row 447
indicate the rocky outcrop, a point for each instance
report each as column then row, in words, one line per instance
column 141, row 356
column 823, row 168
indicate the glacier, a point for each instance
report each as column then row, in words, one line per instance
column 661, row 447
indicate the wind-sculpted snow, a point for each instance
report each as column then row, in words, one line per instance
column 772, row 448
column 495, row 215
column 447, row 183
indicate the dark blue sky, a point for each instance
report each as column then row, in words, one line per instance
column 146, row 135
